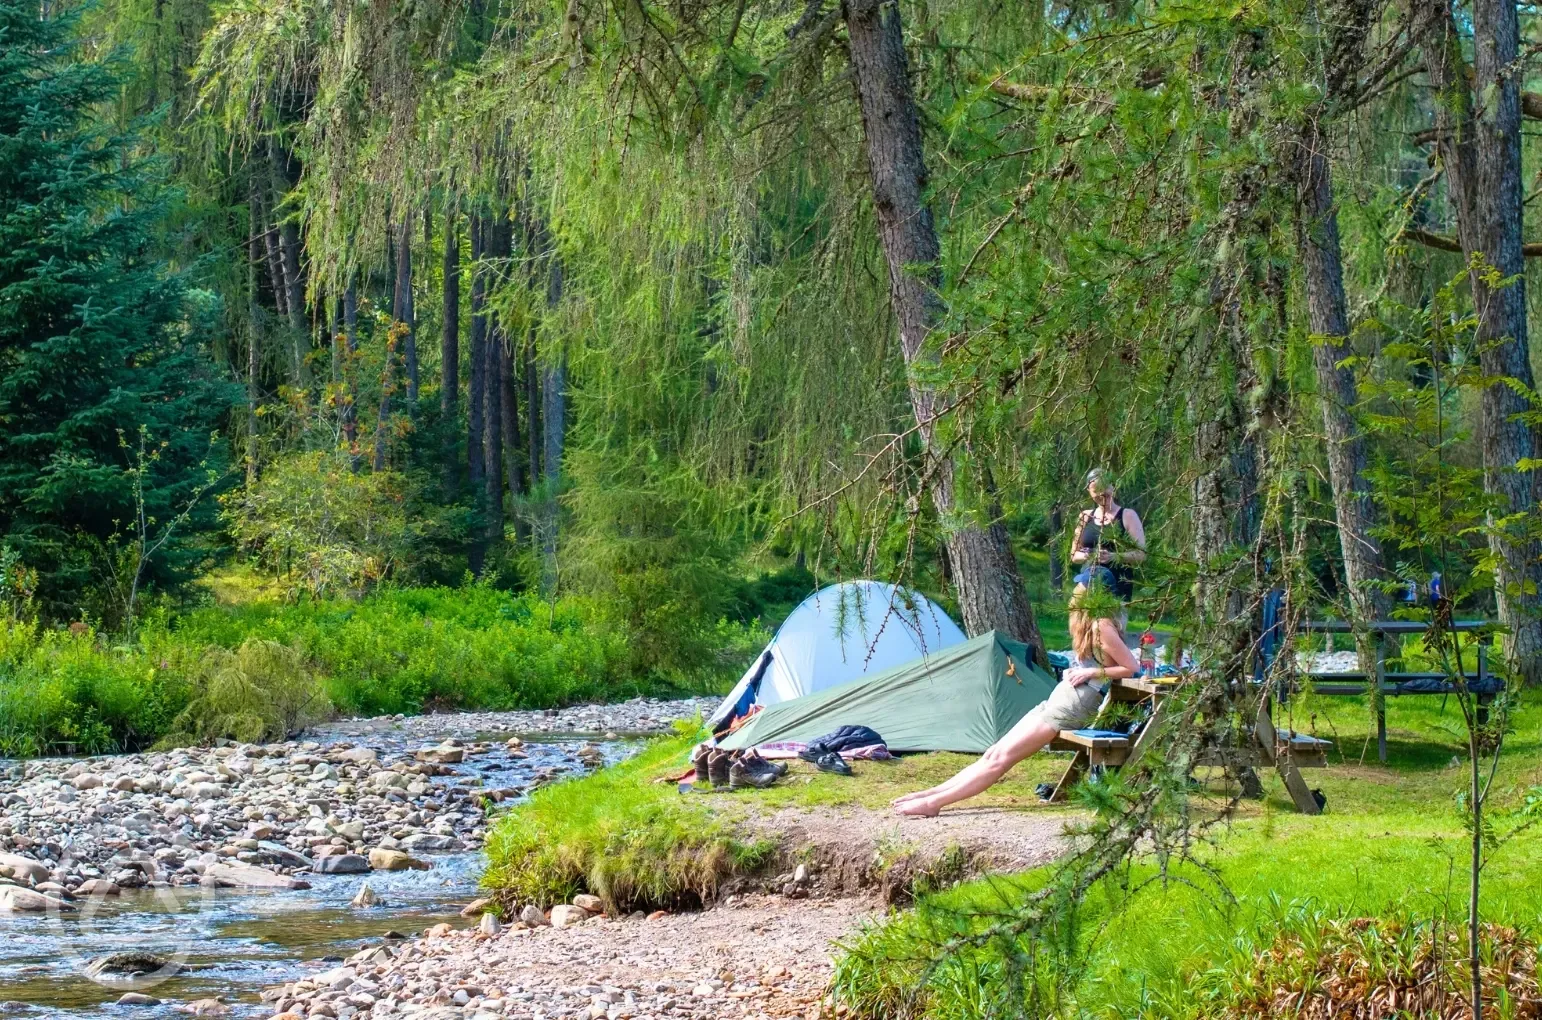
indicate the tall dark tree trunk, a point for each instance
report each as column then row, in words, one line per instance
column 990, row 588
column 496, row 247
column 274, row 261
column 403, row 312
column 475, row 395
column 351, row 389
column 508, row 403
column 254, row 324
column 335, row 343
column 1481, row 157
column 294, row 283
column 532, row 414
column 449, row 342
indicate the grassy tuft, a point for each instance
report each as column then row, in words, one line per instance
column 632, row 842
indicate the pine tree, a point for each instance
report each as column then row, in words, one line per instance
column 98, row 339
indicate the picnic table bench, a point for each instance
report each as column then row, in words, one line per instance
column 1382, row 684
column 1286, row 752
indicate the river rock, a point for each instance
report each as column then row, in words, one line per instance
column 97, row 887
column 137, row 999
column 237, row 875
column 533, row 916
column 25, row 867
column 16, row 900
column 342, row 864
column 382, row 859
column 476, row 906
column 364, row 898
column 360, row 755
column 205, row 1007
column 588, row 902
column 429, row 841
column 489, row 925
column 444, row 754
column 564, row 914
column 131, row 964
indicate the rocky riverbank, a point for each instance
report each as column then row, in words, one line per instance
column 365, row 795
column 639, row 716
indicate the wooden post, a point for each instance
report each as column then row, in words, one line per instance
column 1380, row 697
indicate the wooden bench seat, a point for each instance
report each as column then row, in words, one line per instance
column 1099, row 750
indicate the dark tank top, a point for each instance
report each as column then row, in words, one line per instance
column 1092, row 540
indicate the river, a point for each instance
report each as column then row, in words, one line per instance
column 229, row 944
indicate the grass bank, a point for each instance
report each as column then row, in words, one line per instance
column 1391, row 845
column 254, row 668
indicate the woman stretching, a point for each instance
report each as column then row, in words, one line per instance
column 1101, row 656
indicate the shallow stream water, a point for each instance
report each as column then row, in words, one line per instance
column 230, row 944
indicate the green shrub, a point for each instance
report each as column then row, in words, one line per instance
column 258, row 692
column 62, row 692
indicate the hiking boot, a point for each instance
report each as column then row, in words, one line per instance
column 718, row 768
column 755, row 762
column 833, row 762
column 699, row 760
column 810, row 756
column 740, row 775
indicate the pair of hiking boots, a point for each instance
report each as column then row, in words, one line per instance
column 735, row 769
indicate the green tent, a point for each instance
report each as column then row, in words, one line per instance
column 960, row 698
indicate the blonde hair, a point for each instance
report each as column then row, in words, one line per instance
column 1083, row 626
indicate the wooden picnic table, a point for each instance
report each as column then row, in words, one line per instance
column 1383, row 684
column 1266, row 747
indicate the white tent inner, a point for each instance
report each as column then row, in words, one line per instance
column 837, row 634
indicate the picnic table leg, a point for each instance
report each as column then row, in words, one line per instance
column 1266, row 739
column 1147, row 732
column 1381, row 699
column 1073, row 772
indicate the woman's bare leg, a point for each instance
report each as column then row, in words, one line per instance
column 1029, row 736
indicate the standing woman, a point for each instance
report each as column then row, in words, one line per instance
column 1108, row 535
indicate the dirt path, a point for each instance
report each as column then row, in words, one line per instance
column 757, row 954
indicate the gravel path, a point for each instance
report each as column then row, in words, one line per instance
column 752, row 957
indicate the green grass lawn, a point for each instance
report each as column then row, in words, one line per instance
column 1392, row 843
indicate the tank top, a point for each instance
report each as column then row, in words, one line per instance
column 1091, row 539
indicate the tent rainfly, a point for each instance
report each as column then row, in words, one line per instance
column 963, row 698
column 857, row 628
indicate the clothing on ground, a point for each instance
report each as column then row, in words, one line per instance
column 844, row 738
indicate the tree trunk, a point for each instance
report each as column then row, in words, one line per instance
column 351, row 395
column 274, row 261
column 402, row 310
column 335, row 343
column 990, row 589
column 475, row 395
column 1056, row 547
column 508, row 402
column 554, row 394
column 254, row 320
column 532, row 415
column 294, row 283
column 1481, row 156
column 1328, row 316
column 449, row 343
column 495, row 246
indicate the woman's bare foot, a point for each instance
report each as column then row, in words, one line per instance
column 905, row 798
column 919, row 808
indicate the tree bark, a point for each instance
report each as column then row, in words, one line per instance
column 532, row 414
column 1328, row 316
column 496, row 246
column 402, row 310
column 508, row 402
column 294, row 283
column 476, row 397
column 351, row 394
column 990, row 589
column 1481, row 156
column 449, row 342
column 554, row 394
column 254, row 320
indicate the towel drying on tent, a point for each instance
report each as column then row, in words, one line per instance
column 845, row 631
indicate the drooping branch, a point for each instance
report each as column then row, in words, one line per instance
column 1531, row 249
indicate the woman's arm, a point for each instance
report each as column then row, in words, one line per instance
column 1137, row 532
column 1118, row 661
column 1078, row 551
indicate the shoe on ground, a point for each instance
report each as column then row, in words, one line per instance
column 741, row 776
column 699, row 761
column 1045, row 791
column 832, row 762
column 756, row 763
column 810, row 756
column 718, row 768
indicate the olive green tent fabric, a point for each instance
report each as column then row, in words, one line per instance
column 960, row 698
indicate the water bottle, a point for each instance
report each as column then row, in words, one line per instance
column 1148, row 654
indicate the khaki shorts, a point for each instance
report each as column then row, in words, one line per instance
column 1067, row 707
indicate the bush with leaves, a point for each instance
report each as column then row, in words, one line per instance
column 260, row 691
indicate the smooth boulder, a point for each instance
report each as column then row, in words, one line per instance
column 16, row 900
column 235, row 875
column 341, row 864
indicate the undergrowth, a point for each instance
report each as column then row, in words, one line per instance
column 635, row 843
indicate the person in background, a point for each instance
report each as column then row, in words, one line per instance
column 1108, row 535
column 1100, row 655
